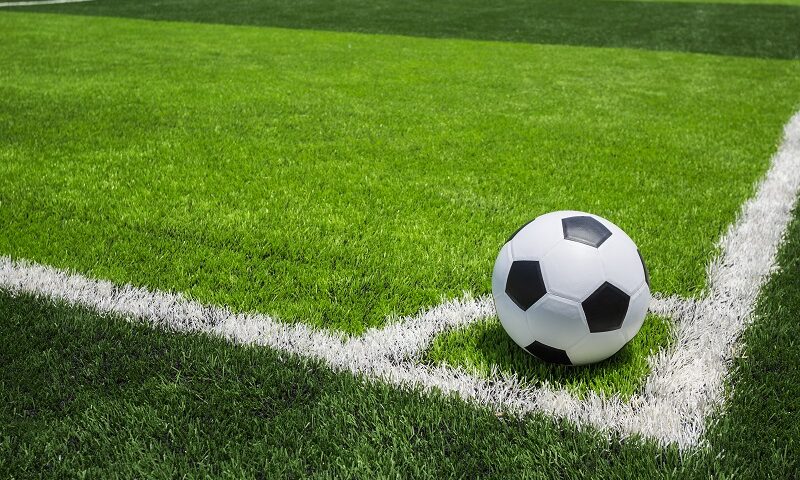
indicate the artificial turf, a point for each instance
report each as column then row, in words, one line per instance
column 757, row 28
column 486, row 349
column 96, row 396
column 338, row 179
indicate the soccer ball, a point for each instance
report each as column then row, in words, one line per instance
column 571, row 288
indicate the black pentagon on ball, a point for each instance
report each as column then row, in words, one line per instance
column 525, row 285
column 605, row 309
column 548, row 353
column 585, row 229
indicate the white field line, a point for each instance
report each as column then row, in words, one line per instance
column 405, row 338
column 42, row 2
column 684, row 386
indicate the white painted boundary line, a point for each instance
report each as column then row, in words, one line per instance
column 41, row 2
column 684, row 386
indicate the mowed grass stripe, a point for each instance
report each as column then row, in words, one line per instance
column 338, row 179
column 754, row 28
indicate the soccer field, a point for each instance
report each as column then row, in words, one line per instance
column 329, row 184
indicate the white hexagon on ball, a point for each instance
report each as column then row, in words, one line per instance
column 570, row 288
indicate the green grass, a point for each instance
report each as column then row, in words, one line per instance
column 759, row 431
column 84, row 394
column 91, row 395
column 340, row 178
column 747, row 28
column 731, row 2
column 485, row 346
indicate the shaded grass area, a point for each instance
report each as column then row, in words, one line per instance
column 759, row 431
column 732, row 2
column 757, row 29
column 485, row 346
column 89, row 395
column 340, row 178
column 84, row 394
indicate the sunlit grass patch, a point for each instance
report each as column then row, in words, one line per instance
column 340, row 179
